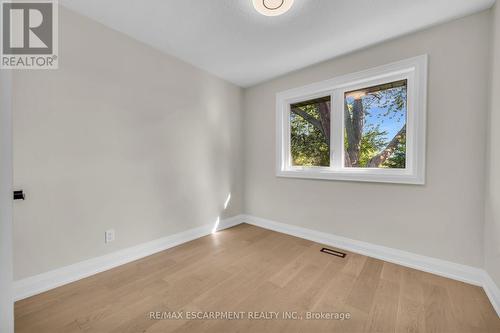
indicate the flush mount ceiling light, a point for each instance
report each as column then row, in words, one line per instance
column 272, row 7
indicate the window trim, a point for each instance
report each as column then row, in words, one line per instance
column 413, row 69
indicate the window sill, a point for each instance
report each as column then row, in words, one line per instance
column 357, row 175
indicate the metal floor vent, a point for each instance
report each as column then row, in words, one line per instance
column 333, row 252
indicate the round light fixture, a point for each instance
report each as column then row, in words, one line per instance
column 272, row 7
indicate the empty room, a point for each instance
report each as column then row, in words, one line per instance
column 250, row 166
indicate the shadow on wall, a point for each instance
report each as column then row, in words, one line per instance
column 191, row 156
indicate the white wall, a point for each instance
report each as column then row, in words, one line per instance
column 492, row 226
column 6, row 297
column 121, row 136
column 442, row 219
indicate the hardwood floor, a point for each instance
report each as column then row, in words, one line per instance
column 248, row 269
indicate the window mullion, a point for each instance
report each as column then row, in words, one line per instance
column 337, row 130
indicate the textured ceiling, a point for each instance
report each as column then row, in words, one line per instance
column 231, row 40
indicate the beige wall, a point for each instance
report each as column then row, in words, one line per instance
column 442, row 219
column 492, row 226
column 123, row 137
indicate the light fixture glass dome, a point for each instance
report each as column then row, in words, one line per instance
column 272, row 7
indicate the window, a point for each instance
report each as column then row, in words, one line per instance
column 375, row 126
column 367, row 126
column 310, row 132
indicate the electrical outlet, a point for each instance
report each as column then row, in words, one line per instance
column 109, row 236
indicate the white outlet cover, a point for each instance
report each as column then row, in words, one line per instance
column 109, row 236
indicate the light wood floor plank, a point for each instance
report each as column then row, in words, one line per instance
column 363, row 292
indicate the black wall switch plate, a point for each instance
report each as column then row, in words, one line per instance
column 19, row 195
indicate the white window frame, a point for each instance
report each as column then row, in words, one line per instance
column 413, row 70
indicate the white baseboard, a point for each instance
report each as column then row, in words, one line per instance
column 492, row 291
column 43, row 282
column 467, row 274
